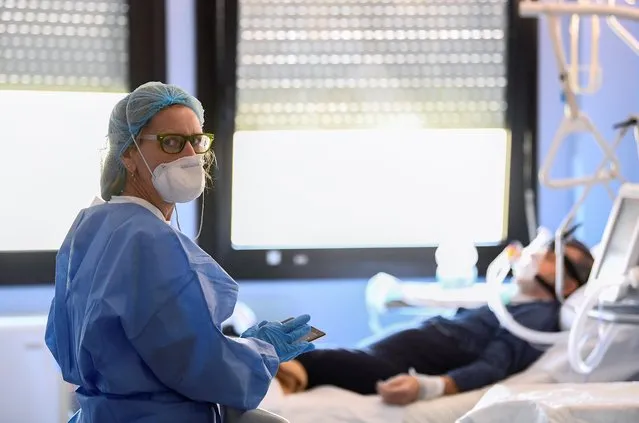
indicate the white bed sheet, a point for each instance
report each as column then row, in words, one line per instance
column 558, row 403
column 329, row 404
column 334, row 405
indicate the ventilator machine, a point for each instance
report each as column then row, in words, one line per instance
column 611, row 294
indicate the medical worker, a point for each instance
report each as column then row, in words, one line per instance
column 136, row 318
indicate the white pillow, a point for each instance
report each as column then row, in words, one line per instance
column 573, row 302
column 569, row 308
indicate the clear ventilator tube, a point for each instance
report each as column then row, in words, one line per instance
column 606, row 332
column 496, row 274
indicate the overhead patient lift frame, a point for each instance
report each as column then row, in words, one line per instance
column 575, row 120
column 624, row 308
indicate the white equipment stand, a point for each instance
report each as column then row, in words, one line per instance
column 619, row 304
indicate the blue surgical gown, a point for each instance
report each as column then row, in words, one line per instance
column 136, row 324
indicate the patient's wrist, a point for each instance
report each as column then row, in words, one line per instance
column 430, row 386
column 450, row 386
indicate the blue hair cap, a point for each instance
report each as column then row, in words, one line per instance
column 128, row 117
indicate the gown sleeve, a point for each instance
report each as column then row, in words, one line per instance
column 189, row 354
column 172, row 299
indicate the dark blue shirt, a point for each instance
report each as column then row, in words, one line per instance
column 498, row 353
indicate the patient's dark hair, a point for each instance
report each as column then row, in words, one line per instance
column 578, row 269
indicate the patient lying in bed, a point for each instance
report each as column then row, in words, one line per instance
column 448, row 356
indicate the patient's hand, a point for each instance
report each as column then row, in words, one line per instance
column 292, row 377
column 399, row 390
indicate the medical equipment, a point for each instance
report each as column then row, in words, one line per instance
column 612, row 287
column 574, row 120
column 336, row 405
column 456, row 260
column 30, row 376
column 588, row 185
column 612, row 9
column 614, row 283
column 387, row 295
column 612, row 269
column 589, row 403
column 32, row 388
column 607, row 171
column 497, row 272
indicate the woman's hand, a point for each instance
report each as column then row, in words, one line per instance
column 284, row 337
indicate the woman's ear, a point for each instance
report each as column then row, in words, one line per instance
column 129, row 162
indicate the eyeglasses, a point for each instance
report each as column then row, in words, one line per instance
column 174, row 143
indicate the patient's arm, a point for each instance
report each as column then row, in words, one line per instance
column 505, row 355
column 407, row 388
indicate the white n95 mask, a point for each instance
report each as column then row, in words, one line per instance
column 181, row 180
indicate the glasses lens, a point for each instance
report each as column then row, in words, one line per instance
column 172, row 144
column 201, row 143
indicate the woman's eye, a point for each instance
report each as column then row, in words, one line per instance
column 172, row 142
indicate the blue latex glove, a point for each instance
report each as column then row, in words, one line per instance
column 284, row 337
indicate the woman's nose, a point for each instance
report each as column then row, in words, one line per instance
column 188, row 150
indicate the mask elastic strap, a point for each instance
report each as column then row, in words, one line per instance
column 141, row 155
column 199, row 231
column 545, row 285
column 177, row 217
column 570, row 270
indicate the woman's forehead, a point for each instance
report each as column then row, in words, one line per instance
column 174, row 118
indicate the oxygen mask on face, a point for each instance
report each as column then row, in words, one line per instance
column 524, row 261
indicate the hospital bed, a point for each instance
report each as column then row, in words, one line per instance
column 557, row 388
column 335, row 405
column 612, row 290
column 587, row 403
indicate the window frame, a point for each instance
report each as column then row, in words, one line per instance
column 147, row 62
column 216, row 81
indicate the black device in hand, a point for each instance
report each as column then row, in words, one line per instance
column 312, row 336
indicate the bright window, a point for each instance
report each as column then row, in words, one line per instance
column 347, row 189
column 369, row 124
column 63, row 66
column 354, row 136
column 50, row 168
